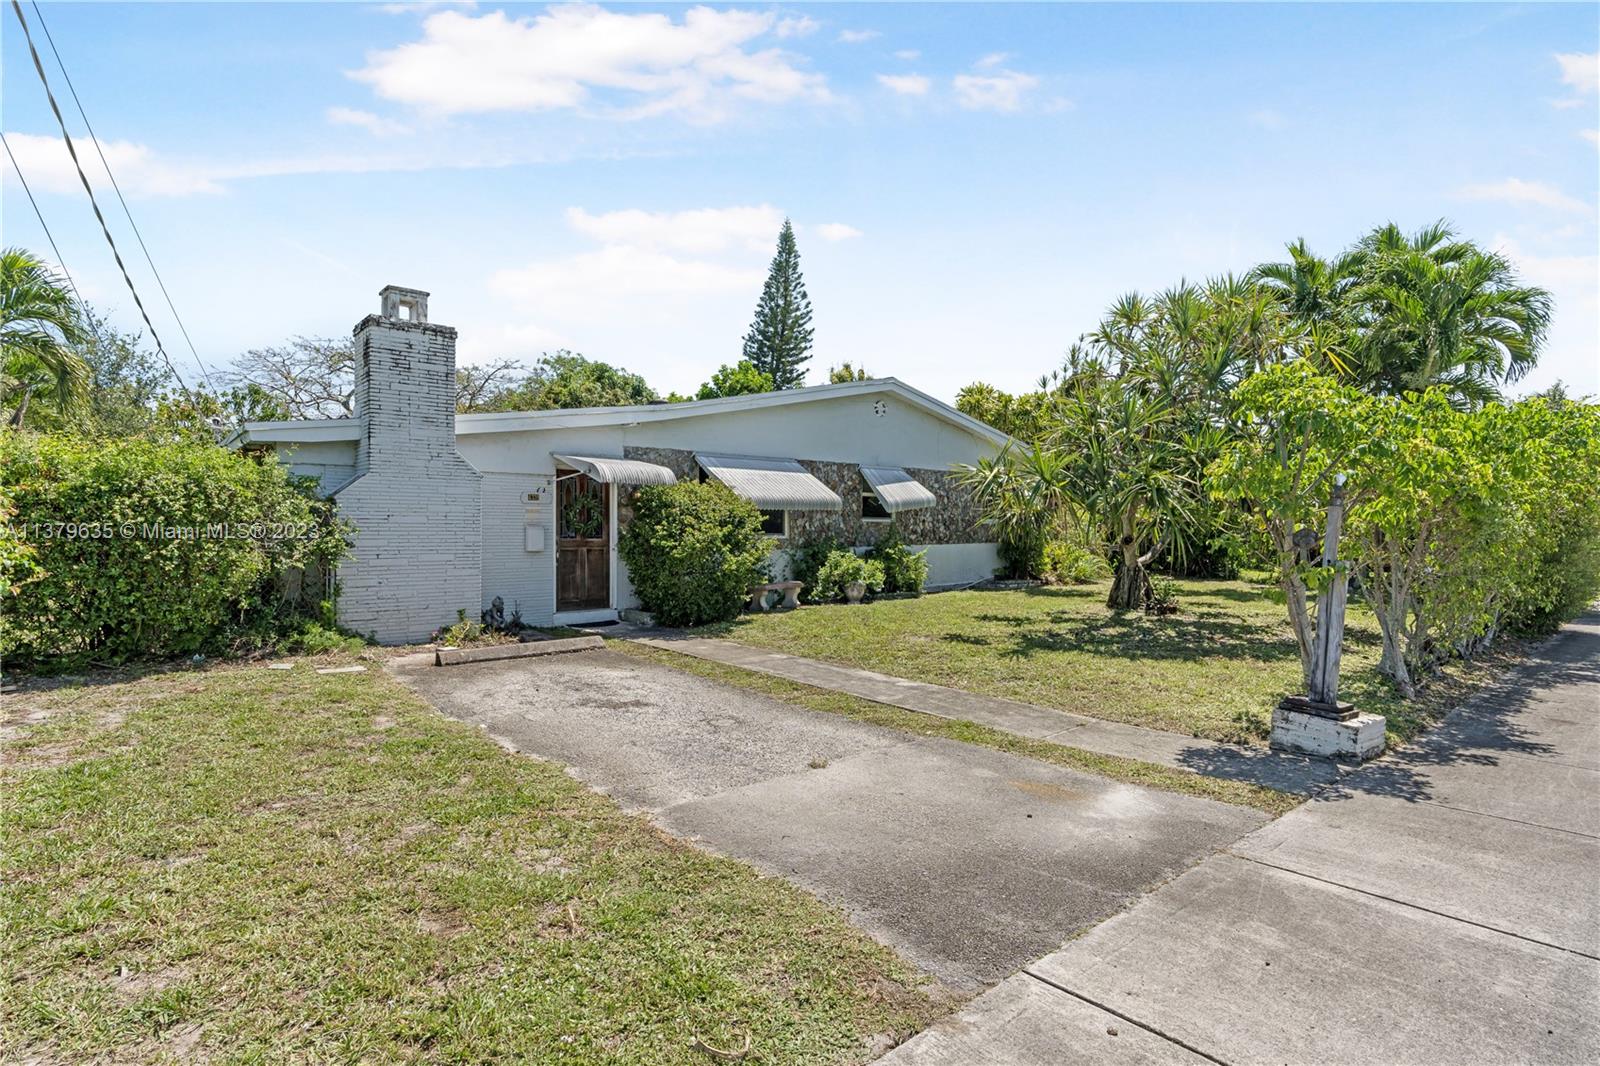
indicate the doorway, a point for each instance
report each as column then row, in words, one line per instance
column 583, row 543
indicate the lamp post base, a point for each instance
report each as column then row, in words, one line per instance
column 1338, row 711
column 1355, row 738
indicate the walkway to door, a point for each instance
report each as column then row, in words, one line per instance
column 1438, row 906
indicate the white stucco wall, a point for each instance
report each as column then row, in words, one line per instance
column 523, row 579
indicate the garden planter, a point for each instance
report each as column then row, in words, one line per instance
column 854, row 591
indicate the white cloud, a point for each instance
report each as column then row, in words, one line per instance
column 1267, row 118
column 711, row 229
column 616, row 276
column 908, row 54
column 1003, row 90
column 1580, row 71
column 905, row 84
column 992, row 60
column 796, row 26
column 857, row 36
column 376, row 125
column 583, row 56
column 837, row 231
column 1574, row 285
column 1592, row 136
column 1535, row 193
column 140, row 172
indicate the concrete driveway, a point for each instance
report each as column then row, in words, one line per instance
column 969, row 861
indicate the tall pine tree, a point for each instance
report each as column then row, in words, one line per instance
column 779, row 341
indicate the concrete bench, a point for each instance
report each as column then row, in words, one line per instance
column 790, row 590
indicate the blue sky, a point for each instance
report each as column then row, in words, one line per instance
column 971, row 184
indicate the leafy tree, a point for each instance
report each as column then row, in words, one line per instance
column 845, row 372
column 1025, row 416
column 779, row 341
column 740, row 380
column 126, row 380
column 40, row 326
column 312, row 377
column 566, row 379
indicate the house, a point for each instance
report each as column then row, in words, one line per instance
column 453, row 511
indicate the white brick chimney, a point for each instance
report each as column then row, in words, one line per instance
column 415, row 502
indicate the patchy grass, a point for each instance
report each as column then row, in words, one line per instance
column 1133, row 771
column 276, row 865
column 1215, row 669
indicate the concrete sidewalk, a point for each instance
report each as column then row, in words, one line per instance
column 1439, row 906
column 1288, row 773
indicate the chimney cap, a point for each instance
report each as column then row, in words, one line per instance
column 403, row 305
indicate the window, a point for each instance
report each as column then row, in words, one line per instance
column 872, row 509
column 775, row 523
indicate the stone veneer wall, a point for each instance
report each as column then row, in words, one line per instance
column 954, row 520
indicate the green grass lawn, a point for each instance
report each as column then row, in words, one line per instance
column 248, row 864
column 1214, row 670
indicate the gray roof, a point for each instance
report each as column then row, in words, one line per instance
column 772, row 484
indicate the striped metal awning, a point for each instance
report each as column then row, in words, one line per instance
column 898, row 490
column 619, row 471
column 771, row 484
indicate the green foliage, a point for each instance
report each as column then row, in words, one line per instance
column 155, row 549
column 844, row 372
column 693, row 550
column 40, row 328
column 562, row 380
column 806, row 558
column 1066, row 563
column 1457, row 523
column 904, row 571
column 1403, row 312
column 1025, row 416
column 844, row 568
column 740, row 380
column 1162, row 597
column 779, row 341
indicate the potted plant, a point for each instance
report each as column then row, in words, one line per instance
column 845, row 575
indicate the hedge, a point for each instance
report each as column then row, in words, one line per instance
column 693, row 550
column 131, row 548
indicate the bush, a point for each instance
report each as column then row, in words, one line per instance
column 693, row 550
column 903, row 569
column 846, row 567
column 1021, row 551
column 1066, row 563
column 806, row 558
column 143, row 548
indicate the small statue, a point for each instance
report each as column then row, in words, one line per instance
column 495, row 617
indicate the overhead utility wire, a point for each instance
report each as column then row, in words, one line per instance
column 39, row 67
column 43, row 224
column 73, row 90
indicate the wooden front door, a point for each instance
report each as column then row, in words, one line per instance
column 583, row 543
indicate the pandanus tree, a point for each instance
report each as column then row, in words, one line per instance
column 39, row 326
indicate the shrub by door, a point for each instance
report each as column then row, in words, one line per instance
column 583, row 543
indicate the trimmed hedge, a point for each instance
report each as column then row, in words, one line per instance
column 144, row 549
column 693, row 550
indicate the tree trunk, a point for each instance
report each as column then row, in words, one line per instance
column 22, row 407
column 1130, row 583
column 1297, row 599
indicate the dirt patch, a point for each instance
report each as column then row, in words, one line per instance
column 1049, row 790
column 132, row 985
column 40, row 757
column 441, row 924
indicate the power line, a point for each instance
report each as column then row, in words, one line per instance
column 72, row 89
column 62, row 263
column 72, row 151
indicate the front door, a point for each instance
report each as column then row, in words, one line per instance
column 583, row 543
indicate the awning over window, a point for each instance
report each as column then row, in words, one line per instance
column 620, row 471
column 898, row 490
column 771, row 484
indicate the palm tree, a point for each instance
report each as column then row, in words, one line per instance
column 39, row 324
column 1401, row 312
column 1434, row 311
